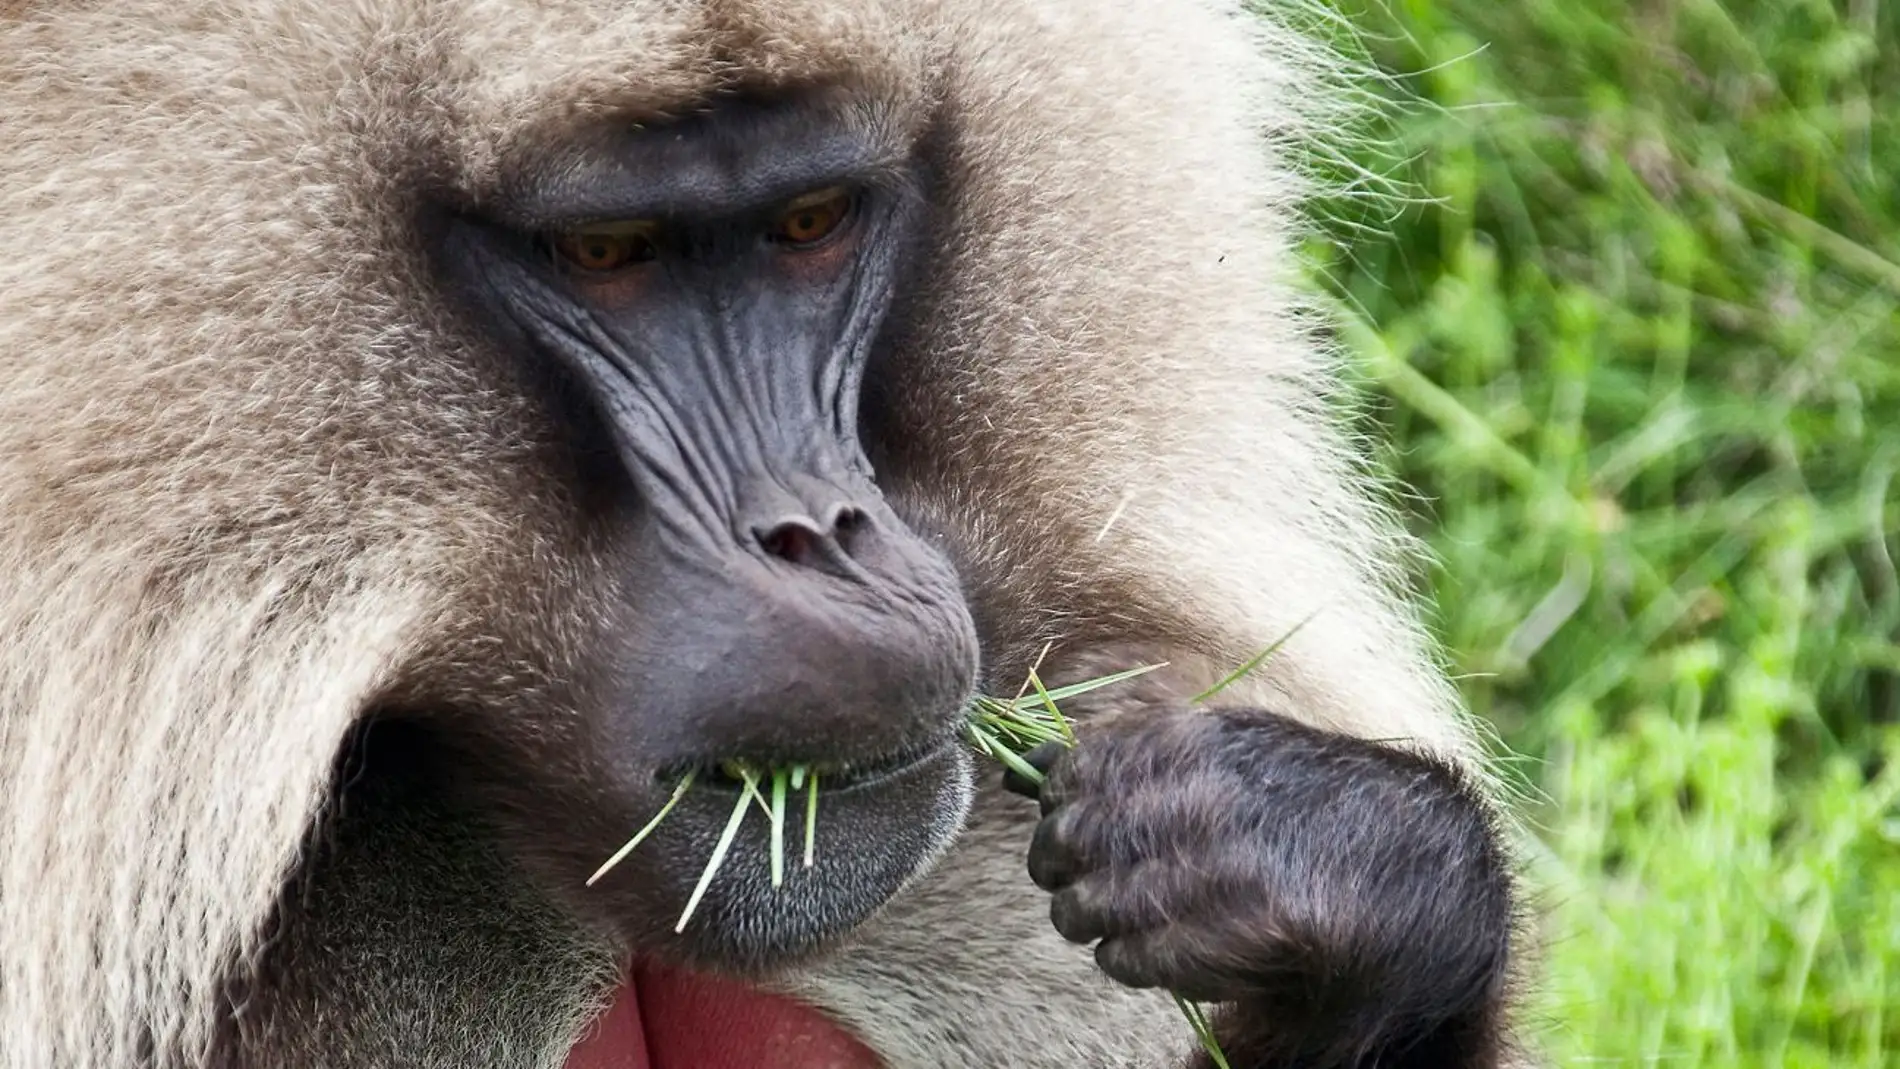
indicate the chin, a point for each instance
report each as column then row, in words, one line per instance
column 875, row 834
column 694, row 999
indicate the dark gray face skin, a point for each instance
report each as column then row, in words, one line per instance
column 771, row 605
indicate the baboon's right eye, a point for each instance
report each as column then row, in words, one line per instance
column 607, row 248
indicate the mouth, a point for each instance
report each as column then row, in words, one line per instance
column 879, row 822
column 730, row 774
column 664, row 1018
column 743, row 877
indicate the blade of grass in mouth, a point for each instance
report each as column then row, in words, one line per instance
column 780, row 778
column 620, row 855
column 720, row 851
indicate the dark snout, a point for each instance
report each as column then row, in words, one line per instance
column 768, row 607
column 824, row 633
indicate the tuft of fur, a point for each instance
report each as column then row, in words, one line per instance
column 257, row 480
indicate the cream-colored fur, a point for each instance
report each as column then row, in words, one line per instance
column 255, row 477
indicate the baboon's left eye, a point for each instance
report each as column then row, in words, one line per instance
column 813, row 218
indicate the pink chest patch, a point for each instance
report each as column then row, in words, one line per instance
column 669, row 1019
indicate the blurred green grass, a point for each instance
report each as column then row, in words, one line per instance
column 1639, row 354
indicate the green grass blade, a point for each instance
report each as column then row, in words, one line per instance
column 751, row 790
column 1049, row 702
column 620, row 855
column 1253, row 662
column 779, row 782
column 1064, row 693
column 1203, row 1031
column 718, row 859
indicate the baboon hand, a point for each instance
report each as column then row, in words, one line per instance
column 1346, row 900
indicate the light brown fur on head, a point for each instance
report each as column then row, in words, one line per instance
column 256, row 477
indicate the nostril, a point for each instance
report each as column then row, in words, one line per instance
column 799, row 539
column 792, row 541
column 848, row 525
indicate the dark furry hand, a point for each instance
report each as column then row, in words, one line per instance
column 1348, row 902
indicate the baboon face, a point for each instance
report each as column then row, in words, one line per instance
column 710, row 290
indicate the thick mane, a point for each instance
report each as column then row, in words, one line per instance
column 254, row 479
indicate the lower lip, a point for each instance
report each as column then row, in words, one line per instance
column 664, row 1018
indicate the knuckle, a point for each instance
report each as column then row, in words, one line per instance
column 1072, row 917
column 1069, row 776
column 1126, row 961
column 1054, row 853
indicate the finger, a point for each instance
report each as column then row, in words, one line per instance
column 1187, row 959
column 1042, row 759
column 1119, row 902
column 1056, row 857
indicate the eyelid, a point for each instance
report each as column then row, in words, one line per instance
column 815, row 198
column 618, row 228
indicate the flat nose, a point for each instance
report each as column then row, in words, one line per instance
column 761, row 652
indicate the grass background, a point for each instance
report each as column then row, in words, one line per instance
column 1639, row 354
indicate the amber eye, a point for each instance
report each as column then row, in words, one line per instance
column 812, row 218
column 607, row 248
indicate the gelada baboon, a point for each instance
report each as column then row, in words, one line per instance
column 431, row 428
